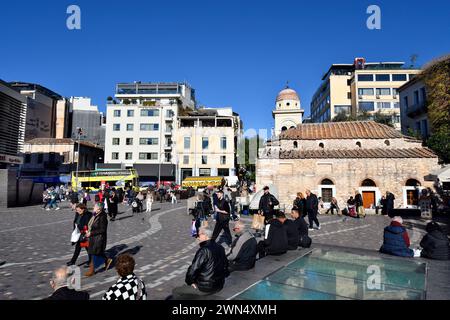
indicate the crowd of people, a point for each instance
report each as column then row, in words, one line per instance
column 220, row 253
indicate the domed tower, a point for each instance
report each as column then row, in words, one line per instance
column 288, row 112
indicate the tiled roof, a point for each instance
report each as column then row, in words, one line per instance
column 341, row 130
column 354, row 153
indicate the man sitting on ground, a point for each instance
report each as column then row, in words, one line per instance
column 435, row 243
column 304, row 240
column 396, row 240
column 59, row 283
column 243, row 249
column 208, row 270
column 276, row 240
column 291, row 230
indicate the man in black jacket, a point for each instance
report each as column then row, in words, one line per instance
column 291, row 230
column 312, row 207
column 304, row 240
column 435, row 244
column 243, row 249
column 206, row 275
column 389, row 202
column 223, row 219
column 267, row 204
column 276, row 239
column 59, row 283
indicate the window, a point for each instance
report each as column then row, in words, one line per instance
column 418, row 127
column 382, row 77
column 205, row 143
column 396, row 105
column 185, row 159
column 386, row 142
column 204, row 172
column 187, row 142
column 342, row 109
column 349, row 95
column 383, row 105
column 116, row 141
column 27, row 158
column 288, row 104
column 130, row 127
column 366, row 106
column 115, row 156
column 358, row 144
column 295, row 144
column 424, row 128
column 423, row 94
column 116, row 113
column 130, row 113
column 149, row 126
column 149, row 112
column 416, row 97
column 129, row 156
column 148, row 141
column 169, row 113
column 321, row 145
column 399, row 77
column 148, row 156
column 223, row 160
column 40, row 158
column 129, row 141
column 116, row 127
column 368, row 183
column 405, row 102
column 223, row 172
column 365, row 91
column 223, row 143
column 365, row 77
column 395, row 91
column 204, row 159
column 383, row 91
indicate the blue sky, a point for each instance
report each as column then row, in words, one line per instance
column 234, row 53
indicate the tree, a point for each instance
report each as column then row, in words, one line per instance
column 439, row 142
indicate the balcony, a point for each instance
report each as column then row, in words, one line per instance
column 168, row 132
column 417, row 109
column 168, row 147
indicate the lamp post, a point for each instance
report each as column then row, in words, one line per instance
column 79, row 133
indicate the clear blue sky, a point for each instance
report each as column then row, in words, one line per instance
column 235, row 53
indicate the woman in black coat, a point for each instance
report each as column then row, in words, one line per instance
column 81, row 220
column 300, row 204
column 97, row 234
column 435, row 243
column 113, row 202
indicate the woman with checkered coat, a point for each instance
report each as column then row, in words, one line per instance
column 129, row 286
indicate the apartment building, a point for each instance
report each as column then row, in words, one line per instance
column 361, row 86
column 206, row 142
column 86, row 116
column 141, row 127
column 413, row 105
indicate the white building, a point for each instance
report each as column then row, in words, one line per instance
column 141, row 126
column 206, row 142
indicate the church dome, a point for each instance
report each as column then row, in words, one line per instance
column 287, row 94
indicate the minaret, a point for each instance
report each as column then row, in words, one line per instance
column 288, row 112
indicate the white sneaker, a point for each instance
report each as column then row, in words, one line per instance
column 48, row 209
column 318, row 228
column 57, row 208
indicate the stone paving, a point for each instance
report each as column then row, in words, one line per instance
column 34, row 242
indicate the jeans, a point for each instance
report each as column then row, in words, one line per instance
column 98, row 260
column 53, row 203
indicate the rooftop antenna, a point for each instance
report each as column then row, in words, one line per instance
column 287, row 84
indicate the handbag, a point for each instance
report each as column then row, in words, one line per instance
column 75, row 235
column 258, row 222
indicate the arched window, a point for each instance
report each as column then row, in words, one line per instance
column 288, row 104
column 412, row 183
column 295, row 144
column 327, row 182
column 386, row 142
column 283, row 129
column 321, row 145
column 358, row 144
column 292, row 127
column 368, row 183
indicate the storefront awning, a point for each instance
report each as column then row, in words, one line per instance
column 198, row 182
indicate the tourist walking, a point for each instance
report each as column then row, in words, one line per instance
column 45, row 199
column 267, row 204
column 53, row 198
column 128, row 286
column 300, row 204
column 359, row 205
column 97, row 235
column 312, row 207
column 206, row 275
column 223, row 219
column 389, row 202
column 81, row 221
column 149, row 202
column 113, row 204
column 74, row 199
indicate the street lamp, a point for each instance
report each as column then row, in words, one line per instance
column 79, row 133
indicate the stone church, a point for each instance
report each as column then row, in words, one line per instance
column 337, row 159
